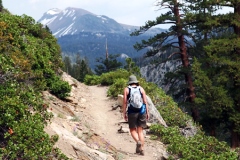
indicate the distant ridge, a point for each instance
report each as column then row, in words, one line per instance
column 81, row 32
column 75, row 20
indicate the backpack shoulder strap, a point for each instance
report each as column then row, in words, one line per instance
column 140, row 91
column 129, row 92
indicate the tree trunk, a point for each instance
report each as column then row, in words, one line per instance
column 212, row 129
column 237, row 28
column 185, row 63
column 234, row 138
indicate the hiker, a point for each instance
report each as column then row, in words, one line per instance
column 136, row 116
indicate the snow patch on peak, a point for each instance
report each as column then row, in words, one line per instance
column 48, row 21
column 102, row 17
column 54, row 11
column 123, row 55
column 71, row 13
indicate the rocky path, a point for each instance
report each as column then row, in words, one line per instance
column 88, row 127
column 106, row 124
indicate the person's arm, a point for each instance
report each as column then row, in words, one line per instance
column 125, row 103
column 145, row 101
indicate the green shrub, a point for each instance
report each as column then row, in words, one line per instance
column 108, row 79
column 22, row 132
column 152, row 90
column 92, row 80
column 27, row 139
column 197, row 147
column 117, row 87
column 30, row 59
column 172, row 114
column 59, row 88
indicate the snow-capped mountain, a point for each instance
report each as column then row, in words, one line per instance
column 72, row 21
column 81, row 32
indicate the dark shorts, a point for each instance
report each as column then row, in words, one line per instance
column 136, row 120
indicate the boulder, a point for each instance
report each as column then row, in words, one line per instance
column 154, row 115
column 190, row 130
column 82, row 151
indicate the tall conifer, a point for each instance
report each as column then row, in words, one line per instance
column 217, row 76
column 174, row 38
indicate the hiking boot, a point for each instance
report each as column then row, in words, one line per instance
column 141, row 152
column 138, row 146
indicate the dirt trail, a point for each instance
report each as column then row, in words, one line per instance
column 87, row 119
column 106, row 123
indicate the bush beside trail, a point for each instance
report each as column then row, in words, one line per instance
column 30, row 61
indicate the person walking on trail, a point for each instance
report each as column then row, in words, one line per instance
column 135, row 111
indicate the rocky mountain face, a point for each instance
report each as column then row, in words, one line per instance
column 155, row 72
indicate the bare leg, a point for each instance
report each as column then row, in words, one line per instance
column 134, row 134
column 140, row 136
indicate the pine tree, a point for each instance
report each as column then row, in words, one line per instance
column 174, row 38
column 131, row 67
column 77, row 67
column 77, row 70
column 84, row 70
column 217, row 73
column 67, row 65
column 108, row 64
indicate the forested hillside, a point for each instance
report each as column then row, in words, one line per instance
column 92, row 45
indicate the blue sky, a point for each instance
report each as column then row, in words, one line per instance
column 131, row 12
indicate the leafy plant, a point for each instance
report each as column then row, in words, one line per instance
column 92, row 80
column 117, row 87
column 107, row 64
column 109, row 78
column 58, row 87
column 199, row 146
column 30, row 60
